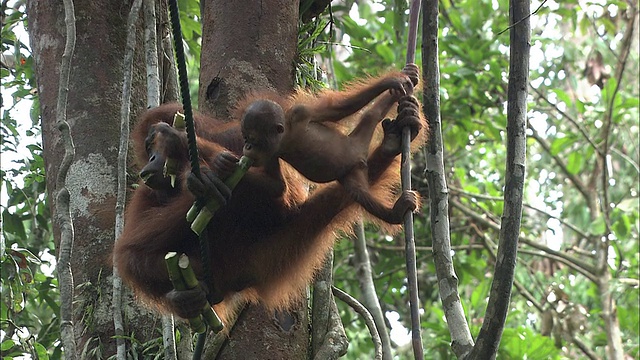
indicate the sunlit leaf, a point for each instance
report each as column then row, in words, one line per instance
column 575, row 162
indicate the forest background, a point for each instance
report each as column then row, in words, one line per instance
column 578, row 259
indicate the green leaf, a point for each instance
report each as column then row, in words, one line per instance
column 622, row 227
column 575, row 162
column 7, row 344
column 597, row 226
column 563, row 96
column 628, row 205
column 559, row 144
column 41, row 351
column 13, row 224
column 386, row 53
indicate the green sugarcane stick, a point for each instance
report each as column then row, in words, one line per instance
column 171, row 165
column 193, row 212
column 175, row 275
column 206, row 213
column 179, row 122
column 210, row 317
column 170, row 169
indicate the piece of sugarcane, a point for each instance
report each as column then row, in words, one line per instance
column 177, row 279
column 179, row 122
column 171, row 165
column 210, row 317
column 201, row 220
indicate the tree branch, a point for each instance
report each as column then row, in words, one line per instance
column 577, row 182
column 122, row 172
column 366, row 316
column 573, row 121
column 498, row 306
column 577, row 264
column 461, row 340
column 405, row 170
column 153, row 100
column 609, row 315
column 493, row 198
column 364, row 273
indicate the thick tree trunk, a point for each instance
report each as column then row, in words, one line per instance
column 246, row 45
column 251, row 45
column 94, row 114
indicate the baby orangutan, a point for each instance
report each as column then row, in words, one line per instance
column 322, row 153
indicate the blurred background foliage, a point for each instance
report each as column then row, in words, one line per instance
column 583, row 102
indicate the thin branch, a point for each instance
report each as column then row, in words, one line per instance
column 592, row 21
column 492, row 248
column 627, row 159
column 405, row 170
column 615, row 349
column 523, row 19
column 560, row 259
column 366, row 316
column 461, row 340
column 425, row 248
column 585, row 349
column 63, row 212
column 122, row 171
column 494, row 198
column 584, row 267
column 364, row 273
column 573, row 121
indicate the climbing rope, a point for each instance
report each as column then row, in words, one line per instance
column 191, row 139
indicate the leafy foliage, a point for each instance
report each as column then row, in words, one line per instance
column 474, row 68
column 29, row 306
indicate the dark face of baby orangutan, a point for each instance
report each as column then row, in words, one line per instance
column 263, row 126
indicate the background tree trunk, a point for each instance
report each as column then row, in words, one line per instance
column 95, row 90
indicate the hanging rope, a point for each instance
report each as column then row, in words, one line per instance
column 405, row 171
column 191, row 139
column 184, row 86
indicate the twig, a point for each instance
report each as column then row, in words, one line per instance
column 573, row 121
column 63, row 212
column 585, row 268
column 577, row 182
column 523, row 19
column 585, row 349
column 122, row 172
column 493, row 198
column 366, row 316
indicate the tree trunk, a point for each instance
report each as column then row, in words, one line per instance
column 93, row 113
column 251, row 45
